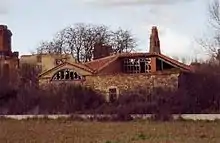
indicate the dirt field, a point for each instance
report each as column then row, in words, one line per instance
column 58, row 131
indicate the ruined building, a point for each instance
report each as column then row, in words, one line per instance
column 44, row 62
column 9, row 61
column 113, row 74
column 108, row 73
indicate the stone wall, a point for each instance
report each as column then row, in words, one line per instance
column 125, row 82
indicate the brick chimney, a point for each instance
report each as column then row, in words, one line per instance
column 5, row 40
column 154, row 41
column 101, row 51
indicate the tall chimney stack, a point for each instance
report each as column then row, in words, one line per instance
column 5, row 39
column 154, row 41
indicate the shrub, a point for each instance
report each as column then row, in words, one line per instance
column 199, row 92
column 69, row 99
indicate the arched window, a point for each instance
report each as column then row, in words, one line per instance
column 66, row 74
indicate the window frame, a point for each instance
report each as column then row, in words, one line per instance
column 113, row 94
column 133, row 65
column 75, row 74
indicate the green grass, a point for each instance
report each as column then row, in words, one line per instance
column 61, row 131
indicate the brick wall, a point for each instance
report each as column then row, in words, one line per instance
column 5, row 39
column 132, row 81
column 9, row 69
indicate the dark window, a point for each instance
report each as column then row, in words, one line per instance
column 112, row 94
column 161, row 65
column 66, row 74
column 71, row 76
column 137, row 65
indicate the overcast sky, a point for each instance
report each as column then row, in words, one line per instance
column 179, row 21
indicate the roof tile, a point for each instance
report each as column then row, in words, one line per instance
column 99, row 64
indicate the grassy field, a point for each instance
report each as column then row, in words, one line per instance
column 58, row 131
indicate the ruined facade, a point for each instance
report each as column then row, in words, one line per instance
column 9, row 61
column 108, row 73
column 113, row 74
column 45, row 62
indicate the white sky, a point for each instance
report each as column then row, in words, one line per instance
column 179, row 22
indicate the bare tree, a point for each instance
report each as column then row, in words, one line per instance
column 123, row 41
column 212, row 44
column 96, row 34
column 75, row 38
column 58, row 45
column 79, row 40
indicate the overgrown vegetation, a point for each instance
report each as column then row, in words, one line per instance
column 199, row 92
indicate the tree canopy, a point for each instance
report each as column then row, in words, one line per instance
column 79, row 40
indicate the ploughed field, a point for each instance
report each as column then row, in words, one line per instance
column 61, row 131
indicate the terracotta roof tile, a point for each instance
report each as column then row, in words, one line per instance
column 81, row 66
column 99, row 64
column 45, row 54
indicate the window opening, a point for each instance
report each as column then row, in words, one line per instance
column 161, row 65
column 66, row 74
column 137, row 65
column 112, row 94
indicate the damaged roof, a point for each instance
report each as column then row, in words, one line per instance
column 99, row 64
